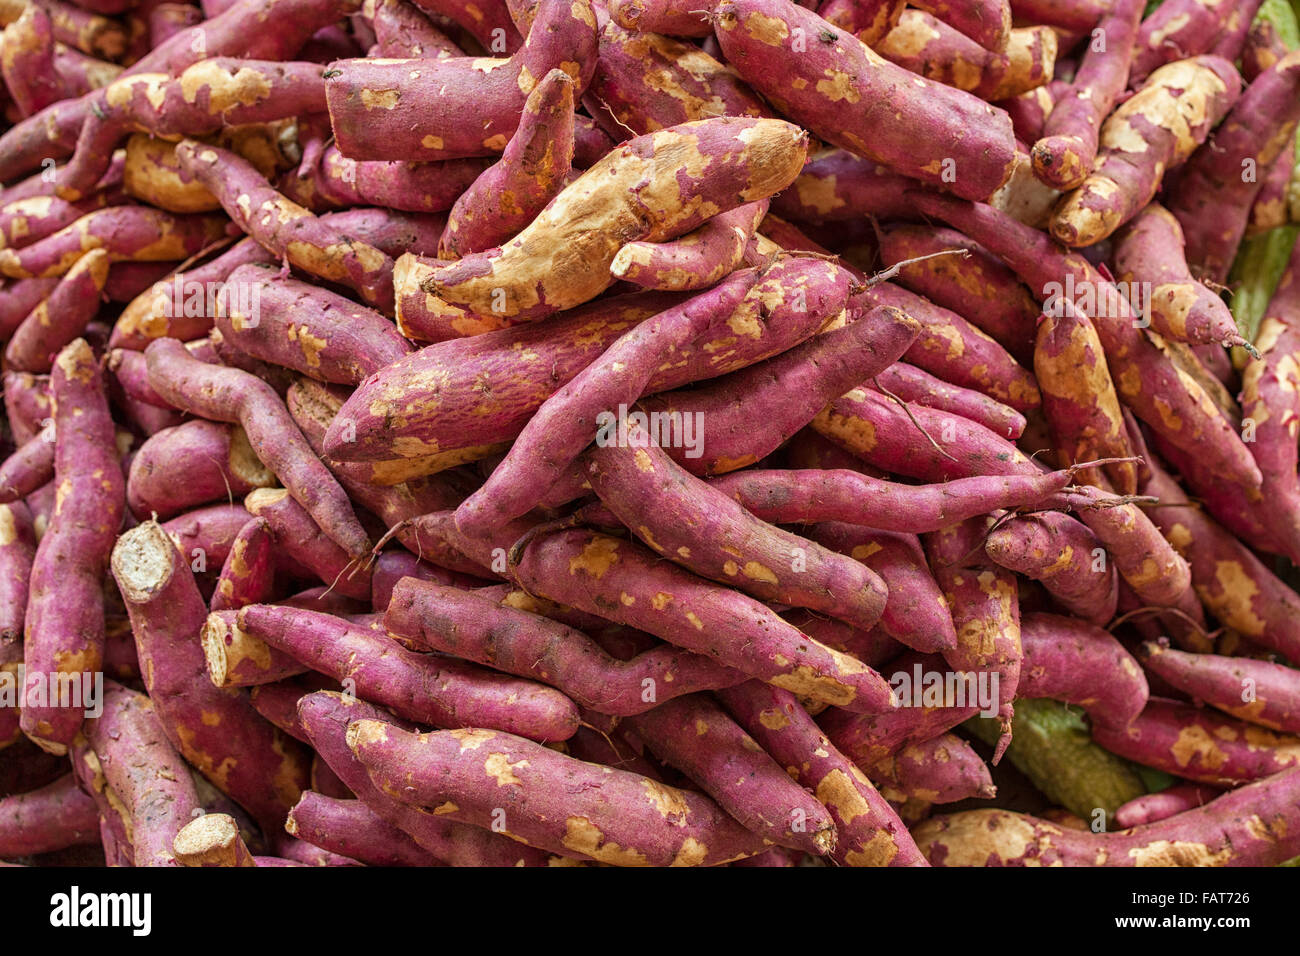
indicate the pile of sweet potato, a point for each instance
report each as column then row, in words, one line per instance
column 649, row 433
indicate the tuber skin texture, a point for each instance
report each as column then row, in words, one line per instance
column 62, row 317
column 1079, row 398
column 204, row 537
column 943, row 769
column 696, row 260
column 567, row 422
column 699, row 738
column 216, row 731
column 236, row 658
column 1077, row 663
column 1182, row 29
column 490, row 385
column 562, row 258
column 531, row 172
column 212, row 839
column 475, row 628
column 126, row 233
column 64, row 627
column 1065, row 556
column 194, row 463
column 1155, row 129
column 17, row 552
column 791, row 388
column 433, row 690
column 1145, row 376
column 1154, row 807
column 927, row 46
column 286, row 229
column 145, row 773
column 1258, row 692
column 1149, row 252
column 869, row 831
column 30, row 467
column 1250, row 826
column 836, row 185
column 913, row 385
column 349, row 828
column 841, row 91
column 295, row 325
column 300, row 539
column 325, row 716
column 52, row 817
column 641, row 822
column 698, row 527
column 592, row 572
column 232, row 395
column 337, row 181
column 1064, row 152
column 1200, row 745
column 372, row 103
column 248, row 574
column 27, row 220
column 659, row 16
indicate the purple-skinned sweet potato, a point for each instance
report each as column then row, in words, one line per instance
column 562, row 258
column 698, row 259
column 30, row 466
column 1157, row 128
column 1064, row 153
column 842, row 92
column 700, row 739
column 49, row 818
column 476, row 628
column 248, row 574
column 351, row 829
column 216, row 731
column 301, row 540
column 943, row 769
column 1062, row 554
column 837, row 185
column 531, row 172
column 1077, row 663
column 1153, row 807
column 1254, row 825
column 915, row 386
column 62, row 317
column 607, row 815
column 1258, row 692
column 64, row 627
column 433, row 690
column 1178, row 30
column 195, row 463
column 595, row 573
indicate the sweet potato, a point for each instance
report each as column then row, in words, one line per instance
column 531, row 172
column 372, row 103
column 27, row 61
column 706, row 531
column 29, row 467
column 868, row 20
column 19, row 298
column 607, row 815
column 29, row 220
column 1064, row 153
column 325, row 717
column 49, row 818
column 475, row 628
column 17, row 551
column 593, row 573
column 943, row 769
column 659, row 16
column 488, row 386
column 216, row 731
column 1153, row 807
column 582, row 410
column 634, row 70
column 212, row 839
column 841, row 91
column 433, row 690
column 562, row 258
column 1146, row 379
column 1200, row 745
column 695, row 735
column 350, row 828
column 299, row 538
column 919, row 442
column 869, row 831
column 64, row 629
column 1178, row 30
column 248, row 574
column 334, row 180
column 402, row 30
column 914, row 386
column 931, row 48
column 236, row 658
column 1065, row 556
column 695, row 261
column 205, row 535
column 144, row 771
column 1155, row 129
column 1077, row 663
column 953, row 349
column 836, row 185
column 1258, row 692
column 227, row 394
column 488, row 23
column 1029, row 111
column 1250, row 826
column 60, row 318
column 1235, row 586
column 126, row 233
column 195, row 463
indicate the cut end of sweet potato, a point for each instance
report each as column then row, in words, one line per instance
column 211, row 840
column 143, row 562
column 214, row 637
